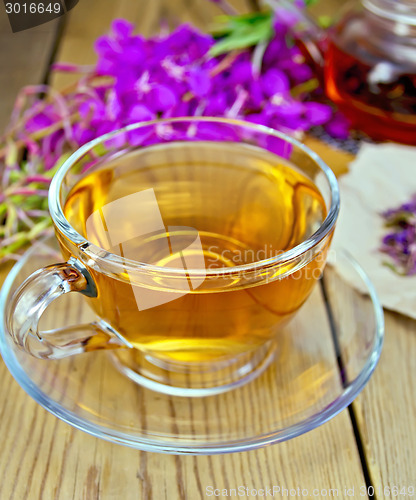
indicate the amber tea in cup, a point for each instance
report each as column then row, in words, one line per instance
column 194, row 248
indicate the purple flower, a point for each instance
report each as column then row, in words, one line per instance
column 187, row 43
column 160, row 98
column 317, row 113
column 338, row 126
column 242, row 72
column 275, row 52
column 40, row 121
column 139, row 113
column 122, row 29
column 120, row 53
column 113, row 105
column 255, row 95
column 400, row 243
column 278, row 146
column 171, row 75
column 199, row 81
column 82, row 135
column 284, row 19
column 215, row 105
column 275, row 81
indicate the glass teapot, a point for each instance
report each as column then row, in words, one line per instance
column 368, row 64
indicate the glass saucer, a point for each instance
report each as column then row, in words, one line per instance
column 326, row 355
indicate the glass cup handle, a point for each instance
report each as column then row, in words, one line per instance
column 34, row 296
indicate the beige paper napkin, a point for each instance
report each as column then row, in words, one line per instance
column 381, row 177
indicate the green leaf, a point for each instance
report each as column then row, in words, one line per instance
column 244, row 31
column 249, row 18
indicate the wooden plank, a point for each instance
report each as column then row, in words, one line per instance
column 61, row 462
column 385, row 411
column 24, row 57
column 64, row 463
column 43, row 457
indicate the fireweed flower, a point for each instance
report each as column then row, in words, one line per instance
column 400, row 243
column 137, row 79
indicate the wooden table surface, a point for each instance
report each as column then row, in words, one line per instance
column 373, row 443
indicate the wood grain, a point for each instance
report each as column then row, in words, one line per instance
column 385, row 412
column 61, row 462
column 44, row 458
column 24, row 58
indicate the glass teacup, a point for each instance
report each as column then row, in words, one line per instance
column 195, row 240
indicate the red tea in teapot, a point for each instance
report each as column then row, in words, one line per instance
column 374, row 98
column 370, row 70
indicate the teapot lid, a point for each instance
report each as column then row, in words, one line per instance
column 401, row 11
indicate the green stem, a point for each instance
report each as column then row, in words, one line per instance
column 40, row 134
